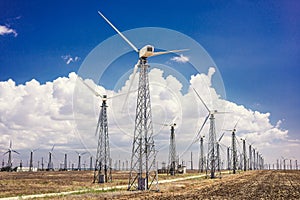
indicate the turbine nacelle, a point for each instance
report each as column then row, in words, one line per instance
column 146, row 51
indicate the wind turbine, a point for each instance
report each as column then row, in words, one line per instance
column 172, row 150
column 212, row 141
column 50, row 164
column 201, row 157
column 79, row 159
column 244, row 154
column 234, row 149
column 31, row 159
column 250, row 156
column 172, row 164
column 143, row 171
column 102, row 165
column 218, row 152
column 10, row 151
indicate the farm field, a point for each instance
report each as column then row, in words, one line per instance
column 245, row 185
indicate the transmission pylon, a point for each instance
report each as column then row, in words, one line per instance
column 172, row 152
column 143, row 171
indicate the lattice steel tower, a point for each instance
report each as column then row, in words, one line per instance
column 250, row 157
column 201, row 157
column 228, row 159
column 212, row 141
column 244, row 155
column 212, row 147
column 143, row 171
column 172, row 152
column 234, row 152
column 102, row 172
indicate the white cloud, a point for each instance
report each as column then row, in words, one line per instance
column 69, row 59
column 40, row 115
column 5, row 30
column 180, row 59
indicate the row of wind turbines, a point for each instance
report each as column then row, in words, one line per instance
column 50, row 166
column 143, row 173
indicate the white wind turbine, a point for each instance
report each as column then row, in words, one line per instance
column 212, row 141
column 143, row 173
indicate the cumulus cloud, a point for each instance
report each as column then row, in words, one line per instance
column 5, row 30
column 180, row 59
column 65, row 112
column 69, row 59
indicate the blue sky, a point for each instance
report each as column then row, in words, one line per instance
column 253, row 43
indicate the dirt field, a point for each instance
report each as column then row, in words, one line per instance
column 248, row 185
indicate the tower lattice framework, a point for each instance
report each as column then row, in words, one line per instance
column 234, row 152
column 172, row 152
column 102, row 172
column 212, row 157
column 201, row 157
column 143, row 170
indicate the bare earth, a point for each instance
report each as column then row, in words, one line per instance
column 247, row 185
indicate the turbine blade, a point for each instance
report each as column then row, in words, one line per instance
column 221, row 137
column 167, row 52
column 198, row 134
column 126, row 40
column 10, row 144
column 131, row 82
column 15, row 151
column 195, row 138
column 174, row 120
column 161, row 124
column 52, row 147
column 201, row 100
column 118, row 95
column 90, row 88
column 237, row 123
column 221, row 112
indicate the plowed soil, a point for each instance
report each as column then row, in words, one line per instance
column 247, row 185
